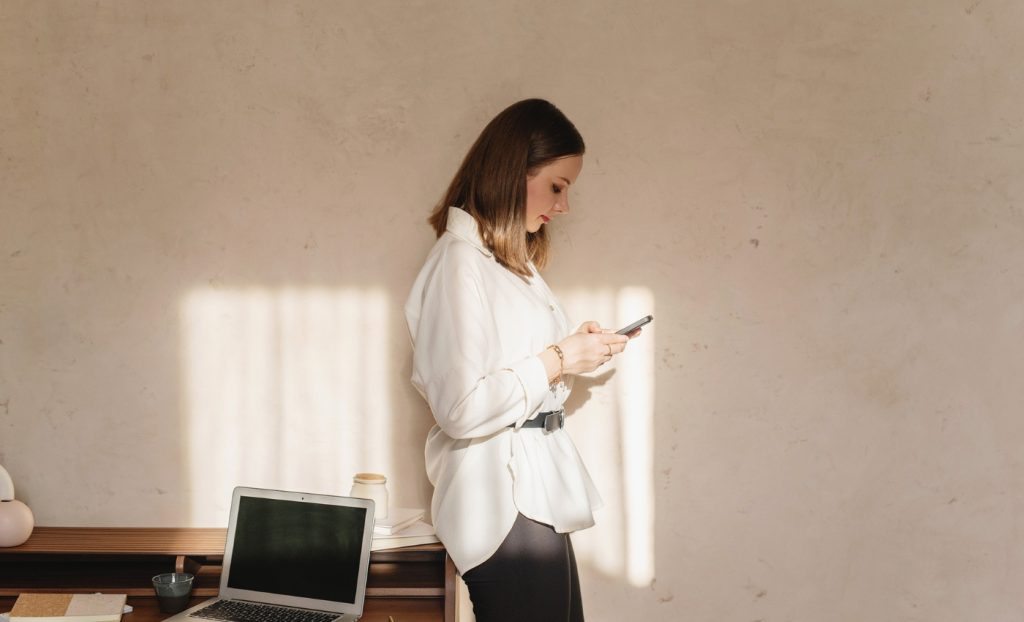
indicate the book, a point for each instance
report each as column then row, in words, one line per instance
column 417, row 533
column 68, row 608
column 397, row 520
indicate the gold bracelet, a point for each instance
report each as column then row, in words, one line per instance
column 561, row 362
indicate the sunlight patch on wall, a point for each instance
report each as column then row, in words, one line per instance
column 284, row 389
column 613, row 426
column 635, row 394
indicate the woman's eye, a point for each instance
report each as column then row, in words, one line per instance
column 556, row 189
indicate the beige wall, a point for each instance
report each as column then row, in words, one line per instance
column 212, row 212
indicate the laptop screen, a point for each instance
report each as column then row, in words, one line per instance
column 301, row 549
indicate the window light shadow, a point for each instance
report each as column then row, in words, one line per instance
column 615, row 436
column 289, row 388
column 284, row 388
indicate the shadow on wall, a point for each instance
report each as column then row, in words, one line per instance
column 288, row 388
column 284, row 388
column 615, row 436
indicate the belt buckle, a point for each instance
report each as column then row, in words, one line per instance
column 554, row 421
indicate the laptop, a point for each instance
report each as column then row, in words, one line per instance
column 291, row 557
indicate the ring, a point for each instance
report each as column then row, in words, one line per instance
column 609, row 348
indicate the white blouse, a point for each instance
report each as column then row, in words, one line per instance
column 476, row 330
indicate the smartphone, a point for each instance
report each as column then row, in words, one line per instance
column 635, row 325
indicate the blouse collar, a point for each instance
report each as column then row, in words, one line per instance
column 462, row 225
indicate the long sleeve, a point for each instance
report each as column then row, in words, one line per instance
column 457, row 364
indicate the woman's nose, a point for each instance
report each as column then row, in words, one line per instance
column 562, row 205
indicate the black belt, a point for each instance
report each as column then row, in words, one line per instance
column 551, row 420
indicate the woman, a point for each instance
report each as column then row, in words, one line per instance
column 494, row 356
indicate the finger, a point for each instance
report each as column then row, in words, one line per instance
column 617, row 348
column 614, row 338
column 635, row 333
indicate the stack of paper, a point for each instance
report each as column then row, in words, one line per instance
column 397, row 520
column 417, row 533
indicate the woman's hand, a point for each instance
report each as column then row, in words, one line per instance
column 589, row 348
column 585, row 350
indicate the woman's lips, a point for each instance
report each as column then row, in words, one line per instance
column 546, row 219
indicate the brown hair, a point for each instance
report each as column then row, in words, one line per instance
column 491, row 182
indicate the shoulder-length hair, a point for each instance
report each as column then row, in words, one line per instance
column 491, row 182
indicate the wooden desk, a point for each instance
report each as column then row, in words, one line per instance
column 376, row 609
column 411, row 584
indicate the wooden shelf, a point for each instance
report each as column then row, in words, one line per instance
column 123, row 541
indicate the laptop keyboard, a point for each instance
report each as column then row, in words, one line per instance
column 236, row 611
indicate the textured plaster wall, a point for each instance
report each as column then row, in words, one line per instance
column 822, row 199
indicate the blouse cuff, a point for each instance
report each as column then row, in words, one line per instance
column 533, row 379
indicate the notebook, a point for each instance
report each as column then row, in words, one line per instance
column 305, row 556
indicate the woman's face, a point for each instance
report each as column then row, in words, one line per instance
column 547, row 191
